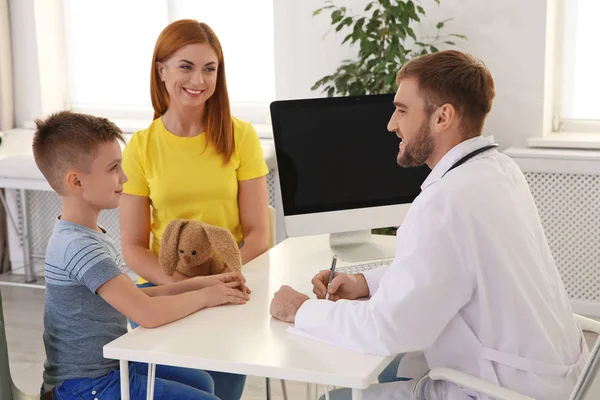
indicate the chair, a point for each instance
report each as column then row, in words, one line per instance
column 8, row 390
column 582, row 391
column 272, row 242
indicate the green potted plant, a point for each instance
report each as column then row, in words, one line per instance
column 386, row 39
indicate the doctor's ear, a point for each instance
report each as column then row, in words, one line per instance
column 444, row 117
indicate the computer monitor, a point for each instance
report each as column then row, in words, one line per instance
column 338, row 171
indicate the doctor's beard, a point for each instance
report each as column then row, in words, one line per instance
column 416, row 152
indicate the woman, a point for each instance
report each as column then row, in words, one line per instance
column 195, row 161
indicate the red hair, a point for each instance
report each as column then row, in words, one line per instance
column 219, row 126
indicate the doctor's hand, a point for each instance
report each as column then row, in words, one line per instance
column 343, row 286
column 286, row 303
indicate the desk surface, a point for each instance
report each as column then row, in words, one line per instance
column 246, row 340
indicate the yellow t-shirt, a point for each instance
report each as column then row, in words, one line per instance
column 185, row 178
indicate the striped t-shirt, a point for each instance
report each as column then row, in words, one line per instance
column 78, row 322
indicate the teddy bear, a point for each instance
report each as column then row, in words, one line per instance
column 194, row 248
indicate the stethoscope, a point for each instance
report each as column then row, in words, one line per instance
column 471, row 155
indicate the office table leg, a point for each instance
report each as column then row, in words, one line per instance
column 268, row 388
column 311, row 391
column 357, row 394
column 284, row 389
column 151, row 376
column 124, row 367
column 27, row 260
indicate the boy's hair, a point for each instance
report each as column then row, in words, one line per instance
column 456, row 78
column 69, row 140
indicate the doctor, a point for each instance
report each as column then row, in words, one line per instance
column 473, row 284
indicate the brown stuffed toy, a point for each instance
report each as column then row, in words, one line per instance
column 194, row 248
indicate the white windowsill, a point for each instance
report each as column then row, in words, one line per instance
column 16, row 146
column 553, row 153
column 585, row 141
column 129, row 126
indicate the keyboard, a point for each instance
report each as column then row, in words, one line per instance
column 360, row 268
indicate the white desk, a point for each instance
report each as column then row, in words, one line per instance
column 246, row 340
column 18, row 171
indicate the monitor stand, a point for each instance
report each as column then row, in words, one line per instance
column 360, row 246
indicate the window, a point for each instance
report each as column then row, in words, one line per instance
column 579, row 92
column 109, row 46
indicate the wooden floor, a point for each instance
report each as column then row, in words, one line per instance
column 23, row 314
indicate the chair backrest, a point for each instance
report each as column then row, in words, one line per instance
column 588, row 384
column 5, row 379
column 272, row 224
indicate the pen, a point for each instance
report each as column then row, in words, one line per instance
column 331, row 274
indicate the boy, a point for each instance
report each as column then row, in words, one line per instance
column 88, row 297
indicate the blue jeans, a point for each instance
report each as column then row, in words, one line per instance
column 170, row 383
column 227, row 386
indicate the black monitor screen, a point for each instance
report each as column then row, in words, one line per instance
column 337, row 154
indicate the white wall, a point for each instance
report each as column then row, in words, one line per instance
column 508, row 35
column 303, row 53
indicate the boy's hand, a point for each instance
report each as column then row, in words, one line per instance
column 211, row 280
column 223, row 293
column 178, row 277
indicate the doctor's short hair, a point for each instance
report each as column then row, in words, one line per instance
column 452, row 77
column 67, row 140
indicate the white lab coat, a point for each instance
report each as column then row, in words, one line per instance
column 473, row 285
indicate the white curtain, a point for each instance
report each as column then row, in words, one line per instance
column 6, row 80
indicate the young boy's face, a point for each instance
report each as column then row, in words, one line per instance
column 103, row 184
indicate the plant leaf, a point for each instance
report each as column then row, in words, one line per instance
column 421, row 10
column 369, row 6
column 359, row 23
column 433, row 49
column 450, row 43
column 317, row 11
column 441, row 24
column 336, row 17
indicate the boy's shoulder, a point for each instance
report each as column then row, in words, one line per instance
column 73, row 250
column 68, row 236
column 69, row 240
